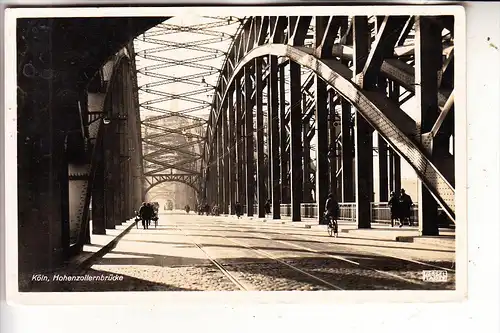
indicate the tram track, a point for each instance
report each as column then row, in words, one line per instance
column 304, row 238
column 263, row 253
column 337, row 257
column 216, row 263
column 325, row 254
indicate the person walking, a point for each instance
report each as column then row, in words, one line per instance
column 237, row 209
column 146, row 213
column 267, row 206
column 405, row 204
column 394, row 205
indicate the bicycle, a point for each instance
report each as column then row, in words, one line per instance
column 332, row 226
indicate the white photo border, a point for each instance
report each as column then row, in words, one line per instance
column 223, row 298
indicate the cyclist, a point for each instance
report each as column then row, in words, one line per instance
column 332, row 212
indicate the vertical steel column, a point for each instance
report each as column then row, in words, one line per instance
column 382, row 170
column 428, row 63
column 391, row 169
column 98, row 216
column 116, row 161
column 347, row 152
column 397, row 172
column 239, row 144
column 209, row 183
column 119, row 111
column 284, row 170
column 226, row 148
column 63, row 175
column 123, row 161
column 322, row 173
column 249, row 149
column 363, row 131
column 383, row 188
column 332, row 147
column 306, row 196
column 296, row 149
column 274, row 136
column 269, row 178
column 232, row 198
column 395, row 159
column 43, row 189
column 243, row 148
column 220, row 166
column 109, row 189
column 261, row 189
column 130, row 175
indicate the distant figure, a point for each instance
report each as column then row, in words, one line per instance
column 405, row 204
column 215, row 209
column 237, row 209
column 187, row 208
column 207, row 209
column 267, row 206
column 394, row 204
column 146, row 213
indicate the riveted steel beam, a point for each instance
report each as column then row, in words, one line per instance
column 260, row 174
column 249, row 142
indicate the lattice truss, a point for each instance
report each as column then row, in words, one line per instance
column 178, row 64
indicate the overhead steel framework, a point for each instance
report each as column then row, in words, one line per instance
column 363, row 71
column 184, row 59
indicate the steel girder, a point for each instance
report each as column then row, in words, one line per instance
column 388, row 59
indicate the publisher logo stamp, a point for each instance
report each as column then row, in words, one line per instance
column 435, row 276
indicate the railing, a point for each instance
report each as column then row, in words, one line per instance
column 380, row 212
column 348, row 211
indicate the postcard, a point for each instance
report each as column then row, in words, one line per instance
column 273, row 154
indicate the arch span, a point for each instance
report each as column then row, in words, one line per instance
column 188, row 180
column 380, row 112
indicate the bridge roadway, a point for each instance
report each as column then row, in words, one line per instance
column 221, row 253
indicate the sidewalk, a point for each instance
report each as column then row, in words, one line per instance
column 100, row 245
column 379, row 231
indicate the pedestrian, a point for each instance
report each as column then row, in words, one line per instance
column 267, row 206
column 405, row 204
column 237, row 209
column 145, row 212
column 394, row 205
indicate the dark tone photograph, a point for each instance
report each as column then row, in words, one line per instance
column 236, row 153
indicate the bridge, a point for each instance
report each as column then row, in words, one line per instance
column 269, row 108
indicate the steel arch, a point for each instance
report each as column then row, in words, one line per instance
column 188, row 180
column 338, row 76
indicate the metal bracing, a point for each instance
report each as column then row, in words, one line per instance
column 177, row 65
column 375, row 88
